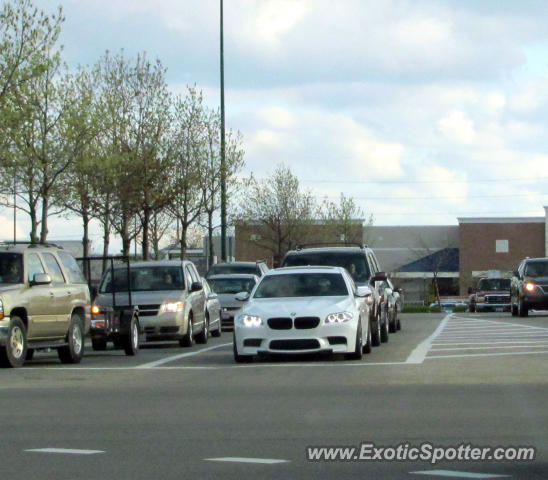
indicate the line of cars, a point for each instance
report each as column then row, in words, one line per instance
column 322, row 300
column 45, row 302
column 526, row 290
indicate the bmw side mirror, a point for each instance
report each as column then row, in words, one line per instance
column 196, row 287
column 242, row 296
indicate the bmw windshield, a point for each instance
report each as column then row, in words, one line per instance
column 302, row 285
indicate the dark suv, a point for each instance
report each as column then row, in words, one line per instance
column 362, row 264
column 529, row 288
column 258, row 268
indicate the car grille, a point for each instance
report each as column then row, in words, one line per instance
column 497, row 298
column 306, row 322
column 282, row 323
column 303, row 344
column 148, row 310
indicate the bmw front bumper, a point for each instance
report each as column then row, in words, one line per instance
column 325, row 338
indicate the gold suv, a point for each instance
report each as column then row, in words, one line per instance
column 44, row 303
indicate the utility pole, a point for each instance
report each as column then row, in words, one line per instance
column 223, row 165
column 14, row 209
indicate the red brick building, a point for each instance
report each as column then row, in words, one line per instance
column 497, row 244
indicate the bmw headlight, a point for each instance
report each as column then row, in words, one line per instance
column 251, row 321
column 172, row 307
column 339, row 317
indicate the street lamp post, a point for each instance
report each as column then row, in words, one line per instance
column 223, row 165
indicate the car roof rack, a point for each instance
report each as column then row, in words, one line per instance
column 30, row 244
column 330, row 244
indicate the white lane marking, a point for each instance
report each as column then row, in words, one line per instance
column 455, row 474
column 268, row 461
column 489, row 334
column 418, row 355
column 464, row 355
column 69, row 451
column 181, row 355
column 543, row 345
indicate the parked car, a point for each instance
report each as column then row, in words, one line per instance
column 491, row 294
column 226, row 286
column 449, row 305
column 361, row 262
column 258, row 268
column 213, row 307
column 169, row 295
column 529, row 286
column 303, row 310
column 393, row 303
column 44, row 303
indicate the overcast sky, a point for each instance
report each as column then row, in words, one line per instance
column 423, row 111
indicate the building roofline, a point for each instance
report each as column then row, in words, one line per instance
column 501, row 220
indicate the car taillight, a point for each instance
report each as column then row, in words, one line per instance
column 530, row 287
column 95, row 310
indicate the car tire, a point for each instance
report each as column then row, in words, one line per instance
column 13, row 355
column 217, row 333
column 204, row 334
column 523, row 310
column 188, row 339
column 357, row 354
column 367, row 346
column 514, row 310
column 392, row 325
column 237, row 357
column 99, row 344
column 376, row 334
column 384, row 330
column 74, row 350
column 131, row 344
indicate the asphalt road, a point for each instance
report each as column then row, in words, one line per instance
column 475, row 379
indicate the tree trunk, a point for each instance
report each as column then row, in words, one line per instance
column 33, row 224
column 145, row 225
column 184, row 228
column 106, row 233
column 85, row 239
column 44, row 222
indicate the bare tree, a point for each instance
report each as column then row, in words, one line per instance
column 279, row 210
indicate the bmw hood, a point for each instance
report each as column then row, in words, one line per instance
column 297, row 307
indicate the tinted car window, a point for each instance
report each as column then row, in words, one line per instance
column 354, row 263
column 536, row 269
column 53, row 268
column 11, row 268
column 144, row 279
column 494, row 284
column 302, row 285
column 231, row 285
column 71, row 267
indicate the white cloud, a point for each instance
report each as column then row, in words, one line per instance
column 457, row 127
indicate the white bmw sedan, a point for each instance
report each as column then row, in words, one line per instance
column 298, row 310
